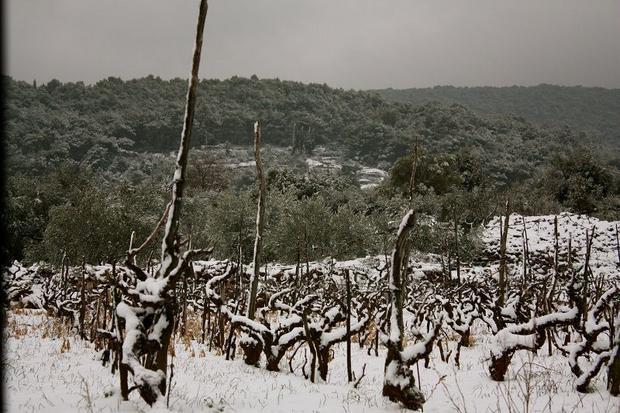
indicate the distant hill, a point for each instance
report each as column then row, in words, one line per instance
column 115, row 124
column 590, row 109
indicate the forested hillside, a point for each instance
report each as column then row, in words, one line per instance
column 99, row 157
column 102, row 124
column 589, row 109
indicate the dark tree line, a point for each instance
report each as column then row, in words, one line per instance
column 105, row 124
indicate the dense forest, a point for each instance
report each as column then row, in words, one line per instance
column 97, row 123
column 591, row 109
column 98, row 156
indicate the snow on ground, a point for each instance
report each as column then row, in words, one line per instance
column 604, row 259
column 326, row 162
column 370, row 177
column 245, row 164
column 48, row 369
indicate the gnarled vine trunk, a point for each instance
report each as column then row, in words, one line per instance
column 148, row 310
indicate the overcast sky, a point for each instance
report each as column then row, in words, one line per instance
column 345, row 43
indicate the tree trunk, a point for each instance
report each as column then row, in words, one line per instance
column 323, row 359
column 399, row 383
column 170, row 253
column 151, row 377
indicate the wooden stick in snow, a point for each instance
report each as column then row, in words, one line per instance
column 349, row 371
column 150, row 376
column 260, row 224
column 414, row 166
column 169, row 256
column 503, row 269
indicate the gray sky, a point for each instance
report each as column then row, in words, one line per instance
column 344, row 43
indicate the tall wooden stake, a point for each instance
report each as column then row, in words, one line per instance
column 502, row 259
column 260, row 224
column 349, row 371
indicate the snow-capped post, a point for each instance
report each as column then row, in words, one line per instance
column 260, row 224
column 148, row 308
column 252, row 348
column 397, row 293
column 503, row 267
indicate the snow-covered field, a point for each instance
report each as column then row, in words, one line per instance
column 49, row 370
column 539, row 233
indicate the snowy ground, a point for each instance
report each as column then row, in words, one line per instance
column 539, row 230
column 48, row 369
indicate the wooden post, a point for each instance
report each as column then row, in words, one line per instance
column 64, row 273
column 260, row 224
column 414, row 167
column 205, row 309
column 617, row 243
column 119, row 325
column 349, row 371
column 458, row 254
column 503, row 267
column 172, row 263
column 586, row 270
column 526, row 252
column 310, row 342
column 170, row 255
column 184, row 303
column 570, row 253
column 82, row 315
column 613, row 369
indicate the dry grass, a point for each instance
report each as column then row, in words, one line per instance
column 193, row 327
column 43, row 325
